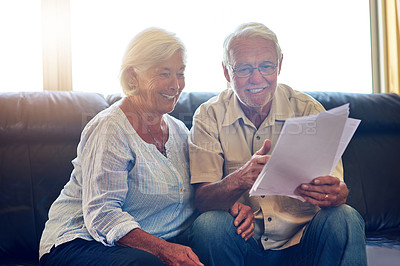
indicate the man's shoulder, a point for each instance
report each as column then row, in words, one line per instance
column 298, row 99
column 217, row 104
column 292, row 94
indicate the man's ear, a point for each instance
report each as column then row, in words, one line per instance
column 280, row 64
column 226, row 73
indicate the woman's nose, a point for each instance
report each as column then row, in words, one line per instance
column 174, row 83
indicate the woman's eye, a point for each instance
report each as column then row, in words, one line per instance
column 164, row 74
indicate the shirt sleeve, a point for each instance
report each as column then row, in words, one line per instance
column 205, row 151
column 106, row 161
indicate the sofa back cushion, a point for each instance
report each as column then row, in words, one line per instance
column 39, row 132
column 372, row 158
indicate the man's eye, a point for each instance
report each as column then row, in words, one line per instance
column 244, row 69
column 266, row 67
column 180, row 75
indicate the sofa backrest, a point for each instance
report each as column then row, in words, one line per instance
column 372, row 158
column 39, row 132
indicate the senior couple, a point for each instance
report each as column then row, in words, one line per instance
column 133, row 198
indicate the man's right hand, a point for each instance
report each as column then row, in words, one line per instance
column 221, row 195
column 248, row 173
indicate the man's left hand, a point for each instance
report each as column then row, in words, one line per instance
column 244, row 220
column 324, row 191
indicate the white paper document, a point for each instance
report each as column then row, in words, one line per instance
column 307, row 147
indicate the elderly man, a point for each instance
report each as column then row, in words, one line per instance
column 230, row 142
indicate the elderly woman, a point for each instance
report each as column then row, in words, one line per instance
column 128, row 200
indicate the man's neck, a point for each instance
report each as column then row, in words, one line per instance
column 256, row 115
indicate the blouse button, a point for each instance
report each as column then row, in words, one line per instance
column 258, row 137
column 269, row 219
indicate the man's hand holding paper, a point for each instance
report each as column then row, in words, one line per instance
column 307, row 152
column 324, row 191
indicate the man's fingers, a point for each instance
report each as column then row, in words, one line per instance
column 246, row 229
column 326, row 180
column 265, row 148
column 239, row 218
column 244, row 221
column 234, row 210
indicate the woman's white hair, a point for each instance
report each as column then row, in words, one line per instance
column 146, row 50
column 249, row 30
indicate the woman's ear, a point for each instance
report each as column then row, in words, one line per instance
column 132, row 75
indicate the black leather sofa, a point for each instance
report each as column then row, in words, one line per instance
column 39, row 132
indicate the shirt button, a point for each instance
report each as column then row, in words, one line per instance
column 265, row 238
column 269, row 219
column 262, row 196
column 258, row 137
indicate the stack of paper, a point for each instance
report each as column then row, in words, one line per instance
column 307, row 147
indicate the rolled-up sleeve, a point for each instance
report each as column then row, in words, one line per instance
column 206, row 154
column 106, row 162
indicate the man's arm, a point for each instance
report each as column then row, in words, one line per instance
column 221, row 195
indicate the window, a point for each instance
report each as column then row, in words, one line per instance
column 21, row 65
column 326, row 44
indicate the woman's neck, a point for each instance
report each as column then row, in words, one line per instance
column 150, row 126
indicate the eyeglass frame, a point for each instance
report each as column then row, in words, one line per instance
column 235, row 70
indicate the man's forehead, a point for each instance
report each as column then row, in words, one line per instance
column 256, row 47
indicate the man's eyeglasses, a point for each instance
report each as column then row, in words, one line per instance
column 245, row 71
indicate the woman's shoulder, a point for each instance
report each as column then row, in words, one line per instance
column 108, row 122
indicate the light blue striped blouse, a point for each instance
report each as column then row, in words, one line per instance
column 120, row 183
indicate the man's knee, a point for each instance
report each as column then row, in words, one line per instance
column 213, row 225
column 341, row 214
column 343, row 220
column 214, row 221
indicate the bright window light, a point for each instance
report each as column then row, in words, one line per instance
column 326, row 44
column 21, row 65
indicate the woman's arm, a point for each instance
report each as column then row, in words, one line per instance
column 169, row 253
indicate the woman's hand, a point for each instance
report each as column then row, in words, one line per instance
column 169, row 253
column 175, row 254
column 244, row 220
column 324, row 191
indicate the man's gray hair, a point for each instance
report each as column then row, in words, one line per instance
column 249, row 30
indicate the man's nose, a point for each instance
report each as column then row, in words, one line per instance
column 256, row 76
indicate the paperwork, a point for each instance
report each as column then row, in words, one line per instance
column 307, row 147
